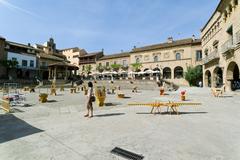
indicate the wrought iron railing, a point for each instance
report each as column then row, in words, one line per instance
column 237, row 37
column 227, row 46
column 213, row 55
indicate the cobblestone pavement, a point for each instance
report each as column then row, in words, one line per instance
column 57, row 130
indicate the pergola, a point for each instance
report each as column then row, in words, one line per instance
column 61, row 70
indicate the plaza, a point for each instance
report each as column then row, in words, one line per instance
column 58, row 129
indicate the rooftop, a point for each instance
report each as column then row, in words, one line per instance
column 117, row 55
column 174, row 43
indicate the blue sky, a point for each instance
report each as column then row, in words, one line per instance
column 114, row 25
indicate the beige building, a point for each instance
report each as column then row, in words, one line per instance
column 122, row 59
column 171, row 58
column 221, row 46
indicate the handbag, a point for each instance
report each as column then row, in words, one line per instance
column 93, row 98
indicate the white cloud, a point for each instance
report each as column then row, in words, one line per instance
column 17, row 8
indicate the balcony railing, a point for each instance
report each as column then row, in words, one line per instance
column 26, row 67
column 227, row 46
column 86, row 61
column 212, row 56
column 238, row 37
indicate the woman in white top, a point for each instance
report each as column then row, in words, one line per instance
column 89, row 100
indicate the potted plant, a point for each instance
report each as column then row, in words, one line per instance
column 161, row 91
column 183, row 95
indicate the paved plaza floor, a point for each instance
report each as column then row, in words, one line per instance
column 57, row 130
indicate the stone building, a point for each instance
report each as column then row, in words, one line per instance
column 171, row 58
column 122, row 59
column 221, row 46
column 88, row 62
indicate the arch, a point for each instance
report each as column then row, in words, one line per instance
column 156, row 69
column 137, row 60
column 208, row 78
column 146, row 69
column 233, row 75
column 218, row 77
column 167, row 73
column 178, row 56
column 178, row 72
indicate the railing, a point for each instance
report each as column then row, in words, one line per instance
column 238, row 37
column 227, row 46
column 86, row 61
column 26, row 67
column 211, row 56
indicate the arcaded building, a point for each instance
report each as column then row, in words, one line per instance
column 170, row 58
column 221, row 46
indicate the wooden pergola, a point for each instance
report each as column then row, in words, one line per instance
column 61, row 70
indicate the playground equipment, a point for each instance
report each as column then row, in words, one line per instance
column 11, row 93
column 100, row 94
column 43, row 97
column 172, row 107
column 53, row 89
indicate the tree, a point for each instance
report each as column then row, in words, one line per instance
column 193, row 75
column 125, row 68
column 9, row 64
column 88, row 69
column 116, row 67
column 107, row 68
column 136, row 66
column 100, row 68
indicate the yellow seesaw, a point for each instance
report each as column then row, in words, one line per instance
column 172, row 107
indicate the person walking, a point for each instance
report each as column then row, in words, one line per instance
column 90, row 97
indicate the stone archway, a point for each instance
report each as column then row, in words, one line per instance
column 233, row 76
column 208, row 79
column 178, row 72
column 167, row 73
column 218, row 77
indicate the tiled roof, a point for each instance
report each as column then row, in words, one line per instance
column 49, row 56
column 91, row 54
column 20, row 45
column 118, row 55
column 63, row 63
column 188, row 41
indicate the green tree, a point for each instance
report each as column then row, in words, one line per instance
column 116, row 67
column 107, row 68
column 9, row 64
column 136, row 66
column 125, row 68
column 100, row 68
column 88, row 69
column 193, row 75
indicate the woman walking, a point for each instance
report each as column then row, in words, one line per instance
column 90, row 97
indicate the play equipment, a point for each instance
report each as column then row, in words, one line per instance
column 5, row 104
column 162, row 91
column 100, row 94
column 53, row 90
column 218, row 92
column 73, row 90
column 172, row 107
column 183, row 95
column 43, row 97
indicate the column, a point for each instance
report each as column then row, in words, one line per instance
column 49, row 73
column 66, row 74
column 55, row 73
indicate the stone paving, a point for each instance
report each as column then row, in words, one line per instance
column 57, row 130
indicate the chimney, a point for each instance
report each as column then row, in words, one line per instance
column 29, row 44
column 170, row 39
column 193, row 37
column 134, row 47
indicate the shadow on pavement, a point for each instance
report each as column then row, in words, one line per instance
column 109, row 115
column 111, row 104
column 12, row 128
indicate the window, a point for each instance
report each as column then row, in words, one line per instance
column 167, row 73
column 206, row 52
column 31, row 63
column 115, row 62
column 107, row 64
column 125, row 63
column 24, row 63
column 155, row 59
column 44, row 64
column 178, row 72
column 14, row 59
column 100, row 64
column 146, row 58
column 178, row 56
column 198, row 55
column 137, row 60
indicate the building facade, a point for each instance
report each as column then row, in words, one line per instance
column 171, row 58
column 221, row 46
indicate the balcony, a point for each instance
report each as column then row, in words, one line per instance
column 212, row 56
column 227, row 47
column 238, row 37
column 86, row 61
column 26, row 67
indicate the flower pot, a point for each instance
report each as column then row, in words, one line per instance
column 43, row 97
column 183, row 97
column 161, row 92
